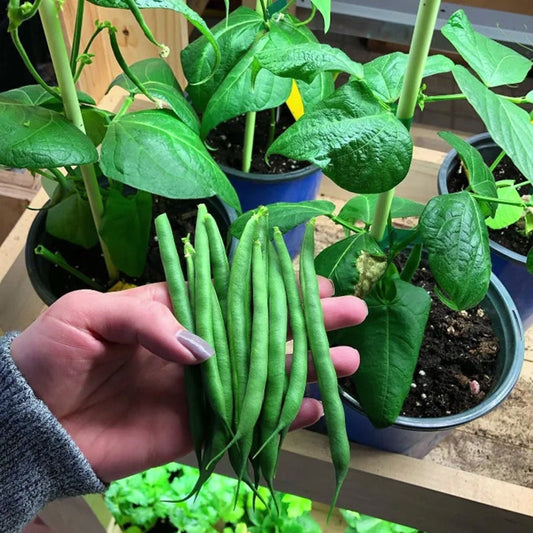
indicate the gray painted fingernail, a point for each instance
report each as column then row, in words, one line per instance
column 200, row 349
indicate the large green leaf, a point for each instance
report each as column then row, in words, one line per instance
column 388, row 342
column 234, row 36
column 286, row 215
column 385, row 74
column 494, row 63
column 126, row 229
column 95, row 121
column 454, row 233
column 363, row 206
column 479, row 175
column 506, row 215
column 71, row 220
column 36, row 95
column 360, row 145
column 509, row 126
column 305, row 61
column 324, row 8
column 175, row 5
column 240, row 93
column 155, row 152
column 343, row 262
column 35, row 137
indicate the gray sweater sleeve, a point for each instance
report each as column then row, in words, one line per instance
column 39, row 462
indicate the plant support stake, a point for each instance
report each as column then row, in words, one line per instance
column 421, row 41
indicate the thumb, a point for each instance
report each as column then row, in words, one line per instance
column 121, row 319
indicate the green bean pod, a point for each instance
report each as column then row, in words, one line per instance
column 326, row 375
column 189, row 253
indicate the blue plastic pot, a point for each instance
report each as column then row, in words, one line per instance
column 509, row 266
column 263, row 189
column 416, row 437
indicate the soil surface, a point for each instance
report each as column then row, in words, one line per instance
column 510, row 237
column 227, row 143
column 457, row 362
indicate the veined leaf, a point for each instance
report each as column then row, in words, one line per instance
column 454, row 233
column 239, row 93
column 493, row 62
column 340, row 261
column 286, row 215
column 36, row 95
column 506, row 215
column 234, row 36
column 479, row 175
column 509, row 126
column 324, row 8
column 155, row 152
column 384, row 75
column 35, row 137
column 305, row 61
column 95, row 121
column 356, row 142
column 363, row 206
column 388, row 342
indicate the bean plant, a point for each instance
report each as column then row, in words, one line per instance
column 100, row 168
column 359, row 136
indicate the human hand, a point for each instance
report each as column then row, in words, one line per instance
column 110, row 368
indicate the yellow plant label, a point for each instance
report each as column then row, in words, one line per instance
column 294, row 102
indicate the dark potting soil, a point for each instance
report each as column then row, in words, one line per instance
column 227, row 141
column 457, row 363
column 182, row 216
column 510, row 237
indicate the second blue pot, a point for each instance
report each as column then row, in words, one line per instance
column 263, row 189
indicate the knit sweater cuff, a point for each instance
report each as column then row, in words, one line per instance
column 39, row 462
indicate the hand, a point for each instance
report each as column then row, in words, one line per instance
column 110, row 368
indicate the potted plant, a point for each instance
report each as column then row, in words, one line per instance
column 359, row 136
column 243, row 108
column 510, row 225
column 105, row 170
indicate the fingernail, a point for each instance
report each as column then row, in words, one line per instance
column 332, row 287
column 322, row 407
column 200, row 349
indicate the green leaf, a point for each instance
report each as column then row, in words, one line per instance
column 36, row 95
column 455, row 235
column 385, row 74
column 509, row 126
column 126, row 229
column 494, row 63
column 155, row 152
column 506, row 215
column 324, row 8
column 71, row 220
column 35, row 137
column 234, row 36
column 96, row 122
column 286, row 215
column 385, row 373
column 153, row 69
column 363, row 206
column 360, row 145
column 479, row 174
column 343, row 261
column 305, row 61
column 239, row 93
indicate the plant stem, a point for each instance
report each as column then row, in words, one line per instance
column 344, row 224
column 497, row 161
column 248, row 147
column 421, row 41
column 501, row 201
column 76, row 38
column 60, row 60
column 460, row 96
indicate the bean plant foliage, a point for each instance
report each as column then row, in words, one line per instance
column 111, row 163
column 359, row 135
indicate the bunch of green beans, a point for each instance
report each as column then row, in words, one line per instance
column 241, row 400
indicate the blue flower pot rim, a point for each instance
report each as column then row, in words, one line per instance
column 493, row 399
column 270, row 178
column 480, row 140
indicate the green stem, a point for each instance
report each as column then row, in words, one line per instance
column 57, row 259
column 344, row 224
column 272, row 128
column 248, row 147
column 497, row 161
column 80, row 67
column 60, row 60
column 421, row 41
column 460, row 96
column 76, row 37
column 501, row 201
